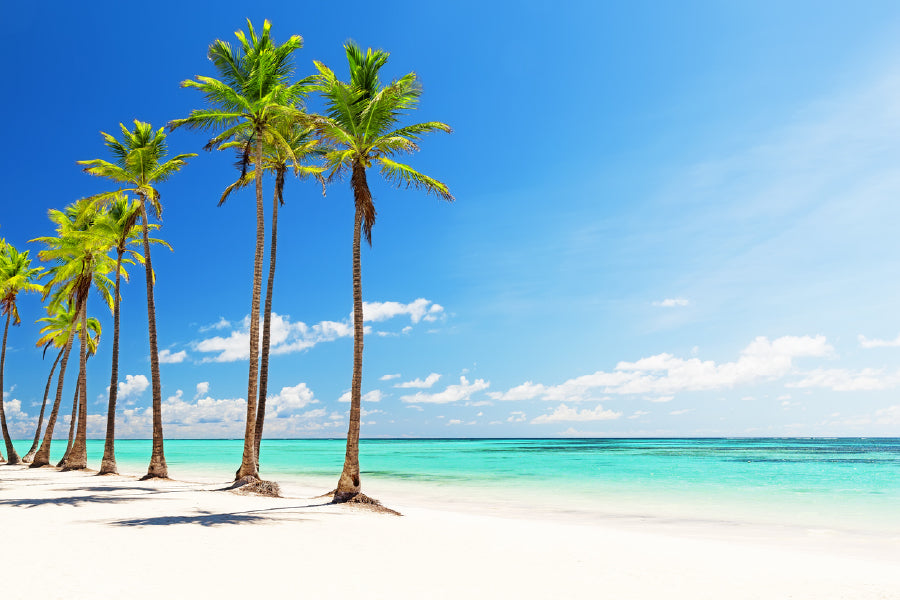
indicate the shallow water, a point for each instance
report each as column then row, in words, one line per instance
column 847, row 483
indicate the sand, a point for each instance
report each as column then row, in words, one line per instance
column 75, row 535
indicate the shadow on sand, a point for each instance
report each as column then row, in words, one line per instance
column 68, row 501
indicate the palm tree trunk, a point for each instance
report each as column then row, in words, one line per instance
column 72, row 421
column 267, row 318
column 77, row 458
column 108, row 464
column 349, row 484
column 157, row 466
column 37, row 434
column 248, row 461
column 42, row 458
column 10, row 451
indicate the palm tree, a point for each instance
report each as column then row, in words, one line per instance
column 93, row 340
column 360, row 125
column 16, row 275
column 301, row 146
column 251, row 96
column 37, row 432
column 139, row 165
column 59, row 324
column 119, row 223
column 81, row 262
column 61, row 329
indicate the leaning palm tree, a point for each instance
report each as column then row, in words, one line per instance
column 93, row 340
column 300, row 147
column 29, row 456
column 59, row 324
column 139, row 164
column 118, row 222
column 16, row 275
column 252, row 94
column 361, row 126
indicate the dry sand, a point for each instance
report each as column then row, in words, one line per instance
column 75, row 535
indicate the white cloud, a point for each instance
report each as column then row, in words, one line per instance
column 672, row 302
column 389, row 377
column 662, row 399
column 664, row 375
column 167, row 356
column 564, row 413
column 453, row 393
column 290, row 399
column 132, row 386
column 418, row 310
column 888, row 416
column 844, row 380
column 865, row 342
column 516, row 416
column 682, row 411
column 202, row 388
column 638, row 414
column 373, row 396
column 222, row 323
column 525, row 391
column 288, row 336
column 419, row 383
column 454, row 422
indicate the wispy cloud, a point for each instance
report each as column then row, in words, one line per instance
column 288, row 336
column 672, row 302
column 453, row 393
column 865, row 342
column 564, row 413
column 420, row 383
column 663, row 375
column 167, row 356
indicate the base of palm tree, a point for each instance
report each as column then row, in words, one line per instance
column 257, row 487
column 149, row 476
column 363, row 500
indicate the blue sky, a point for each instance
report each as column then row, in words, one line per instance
column 669, row 221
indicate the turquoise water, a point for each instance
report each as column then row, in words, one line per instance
column 814, row 481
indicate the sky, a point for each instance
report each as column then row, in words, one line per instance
column 669, row 220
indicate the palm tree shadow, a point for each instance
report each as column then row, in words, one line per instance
column 202, row 517
column 68, row 501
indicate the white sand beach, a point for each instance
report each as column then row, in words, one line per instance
column 75, row 535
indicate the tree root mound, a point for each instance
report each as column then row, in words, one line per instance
column 257, row 487
column 363, row 501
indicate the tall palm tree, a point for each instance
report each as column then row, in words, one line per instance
column 139, row 164
column 302, row 146
column 361, row 126
column 16, row 275
column 80, row 254
column 118, row 222
column 61, row 330
column 93, row 340
column 252, row 94
column 59, row 324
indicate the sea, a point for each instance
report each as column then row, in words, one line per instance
column 850, row 484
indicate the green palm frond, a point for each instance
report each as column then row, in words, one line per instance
column 402, row 174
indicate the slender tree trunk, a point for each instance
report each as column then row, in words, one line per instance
column 349, row 484
column 248, row 461
column 157, row 466
column 37, row 434
column 72, row 422
column 108, row 464
column 77, row 458
column 42, row 457
column 10, row 451
column 267, row 318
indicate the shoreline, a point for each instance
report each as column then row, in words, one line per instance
column 191, row 535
